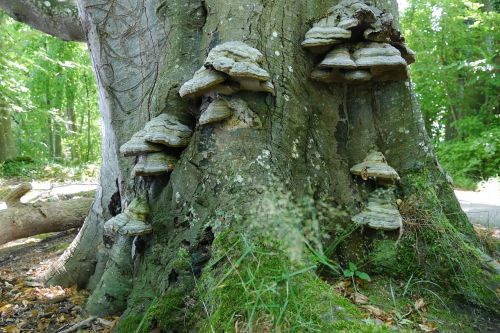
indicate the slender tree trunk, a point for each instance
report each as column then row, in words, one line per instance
column 72, row 127
column 249, row 197
column 7, row 145
column 58, row 153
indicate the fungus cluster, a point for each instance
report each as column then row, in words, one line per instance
column 152, row 145
column 381, row 211
column 116, row 280
column 360, row 44
column 230, row 67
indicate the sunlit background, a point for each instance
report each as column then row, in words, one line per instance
column 402, row 5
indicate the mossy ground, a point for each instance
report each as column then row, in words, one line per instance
column 413, row 302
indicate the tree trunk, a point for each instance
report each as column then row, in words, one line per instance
column 234, row 223
column 7, row 145
column 71, row 118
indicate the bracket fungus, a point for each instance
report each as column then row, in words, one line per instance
column 360, row 43
column 375, row 167
column 138, row 145
column 229, row 68
column 381, row 212
column 216, row 111
column 363, row 61
column 132, row 222
column 151, row 142
column 116, row 282
column 167, row 130
column 234, row 112
column 155, row 164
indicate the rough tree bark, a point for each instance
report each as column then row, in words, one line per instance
column 262, row 187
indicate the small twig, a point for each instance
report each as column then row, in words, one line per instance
column 79, row 325
column 104, row 322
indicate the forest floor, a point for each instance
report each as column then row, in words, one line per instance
column 25, row 305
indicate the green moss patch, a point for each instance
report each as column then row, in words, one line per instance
column 254, row 288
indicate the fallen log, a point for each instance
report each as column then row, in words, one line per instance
column 12, row 196
column 24, row 220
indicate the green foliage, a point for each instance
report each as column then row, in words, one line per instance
column 352, row 272
column 398, row 297
column 472, row 159
column 258, row 290
column 47, row 86
column 28, row 169
column 457, row 83
column 129, row 324
column 166, row 312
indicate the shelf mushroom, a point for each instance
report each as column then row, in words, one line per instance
column 234, row 111
column 229, row 68
column 360, row 43
column 116, row 281
column 362, row 62
column 138, row 145
column 167, row 130
column 150, row 145
column 381, row 212
column 375, row 167
column 324, row 35
column 132, row 222
column 216, row 111
column 204, row 81
column 155, row 164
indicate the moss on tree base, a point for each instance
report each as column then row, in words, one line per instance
column 268, row 273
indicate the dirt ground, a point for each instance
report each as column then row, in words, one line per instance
column 25, row 306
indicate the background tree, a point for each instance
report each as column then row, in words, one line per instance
column 49, row 97
column 252, row 216
column 457, row 83
column 7, row 146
